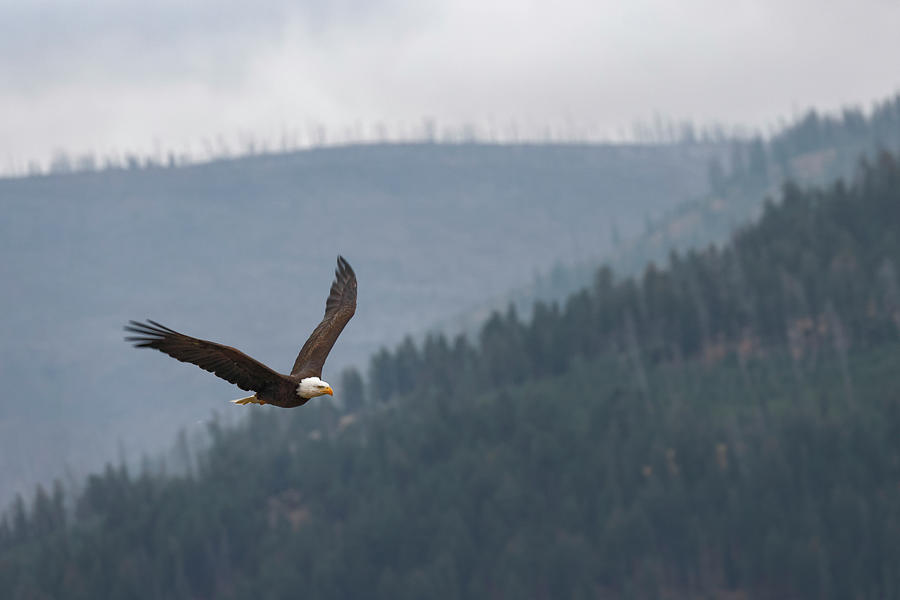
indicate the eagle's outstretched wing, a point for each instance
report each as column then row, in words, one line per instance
column 339, row 307
column 228, row 363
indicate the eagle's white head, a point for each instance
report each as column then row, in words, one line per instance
column 310, row 387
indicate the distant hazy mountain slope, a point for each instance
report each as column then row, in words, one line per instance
column 814, row 150
column 242, row 252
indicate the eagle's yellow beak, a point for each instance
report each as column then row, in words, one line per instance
column 328, row 391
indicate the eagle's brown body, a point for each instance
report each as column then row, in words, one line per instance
column 249, row 374
column 283, row 393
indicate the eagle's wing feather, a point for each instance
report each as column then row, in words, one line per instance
column 339, row 307
column 228, row 363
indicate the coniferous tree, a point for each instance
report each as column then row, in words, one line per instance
column 352, row 390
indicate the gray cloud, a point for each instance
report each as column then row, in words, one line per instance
column 44, row 44
column 100, row 75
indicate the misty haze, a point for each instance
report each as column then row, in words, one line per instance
column 628, row 313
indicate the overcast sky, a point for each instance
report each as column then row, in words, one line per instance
column 120, row 76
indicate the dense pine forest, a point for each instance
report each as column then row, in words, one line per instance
column 727, row 423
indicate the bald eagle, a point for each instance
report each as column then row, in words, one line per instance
column 270, row 387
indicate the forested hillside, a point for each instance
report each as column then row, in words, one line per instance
column 726, row 423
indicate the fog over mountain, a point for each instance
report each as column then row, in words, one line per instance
column 628, row 315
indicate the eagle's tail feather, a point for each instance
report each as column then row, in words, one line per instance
column 248, row 400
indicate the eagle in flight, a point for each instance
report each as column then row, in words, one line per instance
column 270, row 387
